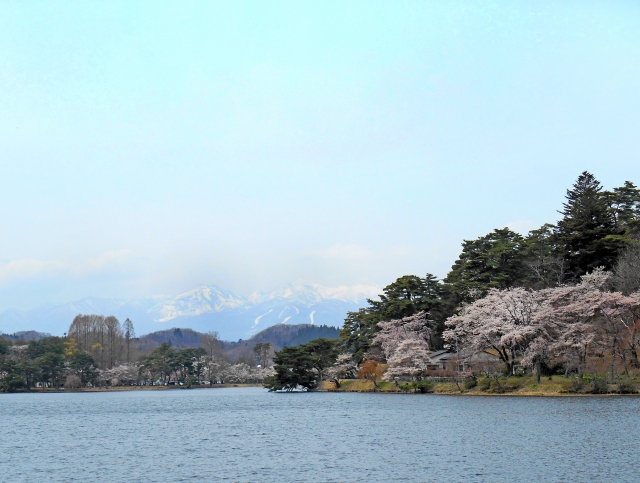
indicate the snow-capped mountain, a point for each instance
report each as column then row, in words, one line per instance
column 200, row 300
column 316, row 293
column 205, row 308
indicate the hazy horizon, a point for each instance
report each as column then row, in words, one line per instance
column 152, row 147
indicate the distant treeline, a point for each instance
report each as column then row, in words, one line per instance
column 98, row 350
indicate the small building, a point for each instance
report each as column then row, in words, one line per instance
column 465, row 360
column 479, row 360
column 440, row 359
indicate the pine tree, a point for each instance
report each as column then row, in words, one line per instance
column 495, row 260
column 624, row 205
column 587, row 232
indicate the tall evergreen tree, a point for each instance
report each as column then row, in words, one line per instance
column 587, row 232
column 624, row 205
column 544, row 259
column 495, row 260
column 407, row 296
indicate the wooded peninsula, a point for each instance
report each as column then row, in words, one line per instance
column 562, row 303
column 554, row 312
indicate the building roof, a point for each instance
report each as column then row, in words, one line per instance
column 441, row 355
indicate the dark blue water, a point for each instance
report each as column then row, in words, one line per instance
column 249, row 435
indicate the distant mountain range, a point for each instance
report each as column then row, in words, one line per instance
column 205, row 308
column 277, row 335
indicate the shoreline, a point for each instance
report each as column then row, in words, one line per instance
column 512, row 387
column 129, row 388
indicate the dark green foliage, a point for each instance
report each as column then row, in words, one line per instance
column 186, row 362
column 82, row 365
column 293, row 368
column 160, row 362
column 470, row 383
column 165, row 361
column 303, row 365
column 407, row 296
column 626, row 387
column 484, row 384
column 424, row 386
column 588, row 232
column 495, row 260
column 38, row 348
column 624, row 205
column 175, row 337
column 544, row 261
column 358, row 330
column 323, row 353
column 50, row 368
column 47, row 360
column 595, row 226
column 4, row 345
column 599, row 386
column 43, row 362
column 14, row 381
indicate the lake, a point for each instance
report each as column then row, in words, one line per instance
column 250, row 435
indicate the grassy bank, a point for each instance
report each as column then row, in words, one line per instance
column 508, row 386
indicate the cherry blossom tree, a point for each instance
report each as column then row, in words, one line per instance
column 569, row 313
column 618, row 326
column 238, row 373
column 504, row 320
column 118, row 375
column 213, row 369
column 72, row 382
column 409, row 359
column 344, row 368
column 539, row 351
column 393, row 333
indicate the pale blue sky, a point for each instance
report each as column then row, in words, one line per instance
column 147, row 147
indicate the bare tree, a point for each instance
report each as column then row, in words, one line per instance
column 210, row 343
column 213, row 364
column 626, row 275
column 129, row 333
column 113, row 335
column 99, row 336
column 264, row 353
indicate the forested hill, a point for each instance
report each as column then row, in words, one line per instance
column 25, row 335
column 179, row 338
column 283, row 335
column 278, row 336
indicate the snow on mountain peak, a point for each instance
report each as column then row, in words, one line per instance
column 206, row 307
column 314, row 293
column 200, row 300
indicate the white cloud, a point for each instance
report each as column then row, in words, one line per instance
column 31, row 268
